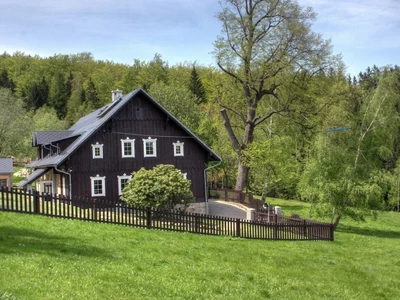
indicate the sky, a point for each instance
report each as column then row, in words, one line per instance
column 364, row 32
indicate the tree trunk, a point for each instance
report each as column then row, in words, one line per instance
column 336, row 223
column 242, row 177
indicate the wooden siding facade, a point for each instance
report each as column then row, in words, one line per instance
column 138, row 119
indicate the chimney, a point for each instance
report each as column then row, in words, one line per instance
column 116, row 94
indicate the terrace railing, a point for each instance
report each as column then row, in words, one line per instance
column 99, row 210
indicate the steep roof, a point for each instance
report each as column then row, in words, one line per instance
column 6, row 166
column 47, row 137
column 90, row 123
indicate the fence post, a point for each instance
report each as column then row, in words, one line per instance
column 305, row 227
column 36, row 202
column 250, row 214
column 332, row 228
column 2, row 197
column 94, row 213
column 275, row 231
column 196, row 223
column 148, row 217
column 237, row 227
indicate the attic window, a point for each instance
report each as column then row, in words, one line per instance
column 150, row 147
column 128, row 147
column 97, row 150
column 178, row 149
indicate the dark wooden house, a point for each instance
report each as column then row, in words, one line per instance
column 6, row 172
column 96, row 156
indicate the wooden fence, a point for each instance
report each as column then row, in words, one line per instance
column 302, row 226
column 98, row 210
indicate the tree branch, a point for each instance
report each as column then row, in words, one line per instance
column 232, row 137
column 241, row 116
column 259, row 120
column 230, row 73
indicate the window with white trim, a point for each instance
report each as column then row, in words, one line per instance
column 178, row 148
column 150, row 147
column 98, row 185
column 128, row 147
column 123, row 182
column 97, row 150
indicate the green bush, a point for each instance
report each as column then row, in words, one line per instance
column 162, row 187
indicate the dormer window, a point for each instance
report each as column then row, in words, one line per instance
column 150, row 147
column 97, row 150
column 128, row 147
column 178, row 149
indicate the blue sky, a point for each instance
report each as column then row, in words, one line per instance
column 365, row 32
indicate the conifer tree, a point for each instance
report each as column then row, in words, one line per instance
column 196, row 86
column 91, row 95
column 58, row 95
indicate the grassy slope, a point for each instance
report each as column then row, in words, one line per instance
column 44, row 258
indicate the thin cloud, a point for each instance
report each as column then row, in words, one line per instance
column 366, row 32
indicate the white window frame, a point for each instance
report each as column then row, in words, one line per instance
column 154, row 143
column 97, row 146
column 127, row 141
column 180, row 145
column 103, row 184
column 120, row 178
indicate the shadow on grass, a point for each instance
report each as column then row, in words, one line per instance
column 15, row 241
column 294, row 207
column 369, row 232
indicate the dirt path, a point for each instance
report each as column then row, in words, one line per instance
column 221, row 208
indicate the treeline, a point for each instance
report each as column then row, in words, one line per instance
column 64, row 88
column 342, row 137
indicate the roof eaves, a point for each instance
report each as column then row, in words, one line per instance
column 32, row 177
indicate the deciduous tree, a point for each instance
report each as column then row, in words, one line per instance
column 346, row 174
column 264, row 45
column 14, row 124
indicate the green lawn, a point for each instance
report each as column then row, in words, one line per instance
column 44, row 258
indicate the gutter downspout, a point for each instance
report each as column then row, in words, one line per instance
column 70, row 181
column 63, row 172
column 205, row 183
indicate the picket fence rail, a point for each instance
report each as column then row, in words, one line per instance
column 117, row 212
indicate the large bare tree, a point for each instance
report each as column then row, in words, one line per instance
column 264, row 44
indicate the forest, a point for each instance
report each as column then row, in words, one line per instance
column 292, row 127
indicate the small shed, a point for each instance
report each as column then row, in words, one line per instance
column 6, row 172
